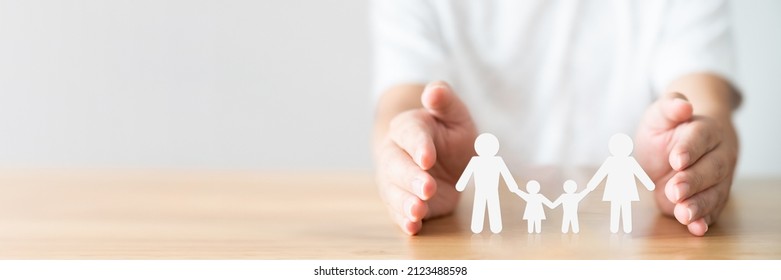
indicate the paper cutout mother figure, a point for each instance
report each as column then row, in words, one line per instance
column 486, row 167
column 620, row 188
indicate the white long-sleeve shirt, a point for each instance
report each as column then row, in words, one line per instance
column 552, row 79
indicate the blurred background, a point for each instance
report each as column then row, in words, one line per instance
column 276, row 85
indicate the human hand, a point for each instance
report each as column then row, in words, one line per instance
column 421, row 156
column 692, row 156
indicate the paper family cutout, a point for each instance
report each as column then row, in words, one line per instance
column 619, row 170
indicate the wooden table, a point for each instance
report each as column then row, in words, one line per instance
column 143, row 214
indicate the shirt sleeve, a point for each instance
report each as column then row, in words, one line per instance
column 407, row 44
column 696, row 37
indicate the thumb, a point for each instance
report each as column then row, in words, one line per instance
column 440, row 101
column 669, row 111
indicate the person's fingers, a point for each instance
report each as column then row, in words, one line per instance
column 660, row 197
column 396, row 184
column 403, row 173
column 411, row 132
column 711, row 169
column 669, row 111
column 699, row 227
column 440, row 100
column 445, row 201
column 407, row 226
column 402, row 202
column 706, row 204
column 696, row 138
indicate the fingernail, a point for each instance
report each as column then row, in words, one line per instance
column 681, row 99
column 692, row 209
column 419, row 157
column 681, row 213
column 683, row 158
column 670, row 192
column 417, row 187
column 706, row 227
column 439, row 84
column 683, row 189
column 408, row 208
column 434, row 85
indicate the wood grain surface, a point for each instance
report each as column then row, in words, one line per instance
column 208, row 214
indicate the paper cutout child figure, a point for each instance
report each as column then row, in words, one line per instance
column 620, row 188
column 486, row 167
column 534, row 213
column 570, row 201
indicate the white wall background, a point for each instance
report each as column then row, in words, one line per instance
column 758, row 42
column 245, row 84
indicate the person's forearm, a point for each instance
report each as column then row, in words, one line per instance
column 709, row 94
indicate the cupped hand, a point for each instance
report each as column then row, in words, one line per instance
column 421, row 156
column 691, row 158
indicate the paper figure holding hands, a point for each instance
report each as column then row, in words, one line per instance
column 620, row 188
column 486, row 167
column 534, row 213
column 570, row 201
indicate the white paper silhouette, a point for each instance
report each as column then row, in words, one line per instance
column 486, row 167
column 570, row 201
column 620, row 188
column 534, row 213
